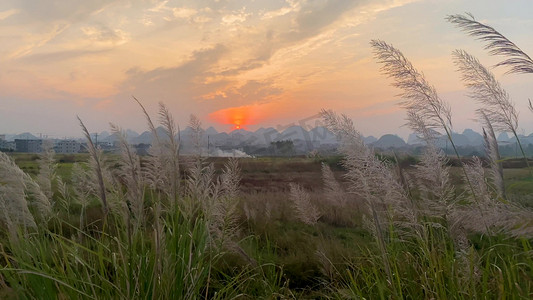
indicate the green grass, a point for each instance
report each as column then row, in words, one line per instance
column 332, row 259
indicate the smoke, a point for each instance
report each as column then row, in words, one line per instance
column 230, row 153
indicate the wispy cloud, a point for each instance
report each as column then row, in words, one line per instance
column 33, row 42
column 8, row 13
column 104, row 35
column 184, row 81
column 66, row 55
column 236, row 17
column 293, row 6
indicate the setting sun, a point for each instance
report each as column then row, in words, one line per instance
column 238, row 117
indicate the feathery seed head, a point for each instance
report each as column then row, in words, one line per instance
column 486, row 90
column 13, row 205
column 497, row 44
column 493, row 155
column 305, row 210
column 426, row 110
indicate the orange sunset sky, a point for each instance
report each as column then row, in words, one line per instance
column 236, row 63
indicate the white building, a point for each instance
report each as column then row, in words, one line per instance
column 67, row 147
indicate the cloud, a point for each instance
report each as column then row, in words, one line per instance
column 183, row 12
column 294, row 6
column 182, row 82
column 314, row 15
column 162, row 11
column 8, row 13
column 50, row 57
column 247, row 65
column 296, row 29
column 67, row 10
column 236, row 17
column 104, row 35
column 35, row 41
column 252, row 91
column 54, row 26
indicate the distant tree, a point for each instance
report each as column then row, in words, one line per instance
column 285, row 147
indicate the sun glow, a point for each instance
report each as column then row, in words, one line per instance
column 238, row 117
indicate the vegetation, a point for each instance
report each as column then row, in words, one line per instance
column 167, row 226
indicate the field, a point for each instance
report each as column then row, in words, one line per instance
column 261, row 247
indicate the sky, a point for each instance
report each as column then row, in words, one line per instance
column 251, row 64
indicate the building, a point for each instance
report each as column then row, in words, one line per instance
column 7, row 146
column 29, row 146
column 67, row 147
column 2, row 137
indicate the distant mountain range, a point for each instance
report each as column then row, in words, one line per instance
column 304, row 140
column 237, row 138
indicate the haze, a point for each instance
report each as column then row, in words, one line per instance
column 246, row 64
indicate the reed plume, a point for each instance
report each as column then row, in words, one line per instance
column 365, row 172
column 84, row 186
column 224, row 217
column 151, row 125
column 306, row 212
column 171, row 145
column 14, row 211
column 161, row 170
column 157, row 181
column 495, row 216
column 497, row 44
column 201, row 183
column 231, row 178
column 38, row 203
column 334, row 204
column 490, row 215
column 476, row 173
column 367, row 176
column 196, row 135
column 493, row 155
column 487, row 91
column 334, row 193
column 64, row 199
column 151, row 169
column 96, row 163
column 421, row 98
column 426, row 111
column 129, row 173
column 47, row 168
column 433, row 181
